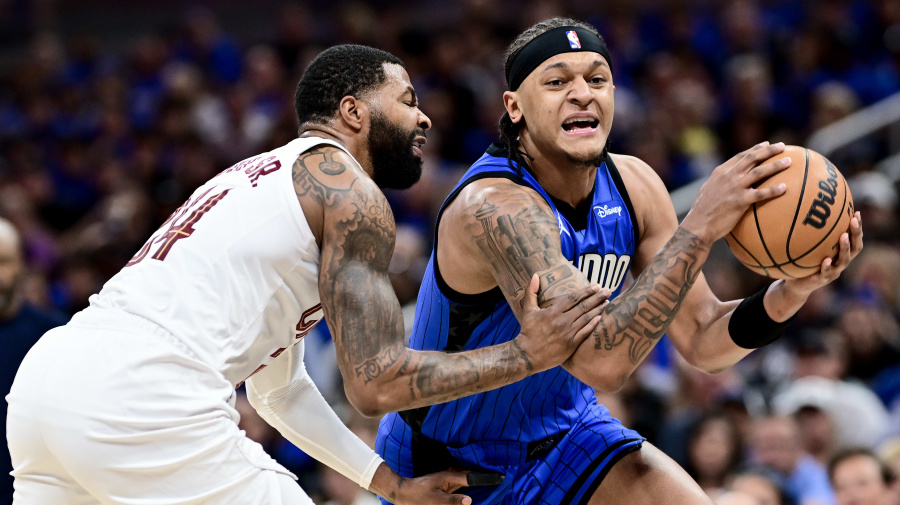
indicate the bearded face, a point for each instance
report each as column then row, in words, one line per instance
column 396, row 165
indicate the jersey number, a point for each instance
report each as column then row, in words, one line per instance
column 191, row 212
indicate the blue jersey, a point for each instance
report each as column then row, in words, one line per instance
column 599, row 238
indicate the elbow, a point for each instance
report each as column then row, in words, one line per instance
column 608, row 381
column 370, row 409
column 368, row 403
column 706, row 364
column 610, row 384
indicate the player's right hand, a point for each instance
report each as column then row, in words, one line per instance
column 551, row 334
column 432, row 489
column 731, row 190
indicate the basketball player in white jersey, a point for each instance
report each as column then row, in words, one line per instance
column 132, row 401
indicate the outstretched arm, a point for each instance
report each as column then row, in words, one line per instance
column 381, row 374
column 700, row 331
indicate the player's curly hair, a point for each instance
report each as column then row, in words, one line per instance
column 509, row 131
column 339, row 71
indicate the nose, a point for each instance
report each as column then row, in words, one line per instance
column 424, row 121
column 580, row 93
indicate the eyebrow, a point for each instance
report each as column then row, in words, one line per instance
column 411, row 91
column 563, row 65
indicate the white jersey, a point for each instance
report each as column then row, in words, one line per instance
column 233, row 273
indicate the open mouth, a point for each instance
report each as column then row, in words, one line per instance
column 580, row 124
column 417, row 144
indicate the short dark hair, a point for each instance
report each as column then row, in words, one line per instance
column 339, row 71
column 887, row 475
column 509, row 131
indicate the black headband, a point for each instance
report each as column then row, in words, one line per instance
column 565, row 39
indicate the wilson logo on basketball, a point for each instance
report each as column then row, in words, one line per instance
column 820, row 210
column 791, row 235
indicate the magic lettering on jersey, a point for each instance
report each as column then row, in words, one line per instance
column 607, row 270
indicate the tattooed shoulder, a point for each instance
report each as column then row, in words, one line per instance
column 325, row 172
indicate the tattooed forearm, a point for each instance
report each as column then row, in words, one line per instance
column 442, row 377
column 523, row 356
column 365, row 316
column 373, row 367
column 436, row 379
column 641, row 315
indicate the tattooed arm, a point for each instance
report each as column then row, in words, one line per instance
column 700, row 330
column 381, row 374
column 512, row 230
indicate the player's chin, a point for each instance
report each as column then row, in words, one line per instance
column 587, row 154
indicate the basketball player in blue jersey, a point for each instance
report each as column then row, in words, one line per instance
column 551, row 200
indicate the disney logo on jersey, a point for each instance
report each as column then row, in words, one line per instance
column 608, row 270
column 612, row 208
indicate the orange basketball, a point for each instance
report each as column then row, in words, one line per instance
column 789, row 236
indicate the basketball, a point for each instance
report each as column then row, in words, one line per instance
column 789, row 236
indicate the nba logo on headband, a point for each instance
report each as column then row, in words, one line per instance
column 574, row 43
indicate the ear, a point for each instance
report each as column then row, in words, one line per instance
column 353, row 112
column 511, row 102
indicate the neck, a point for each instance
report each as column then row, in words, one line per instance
column 354, row 143
column 564, row 180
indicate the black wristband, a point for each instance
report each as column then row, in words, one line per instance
column 751, row 327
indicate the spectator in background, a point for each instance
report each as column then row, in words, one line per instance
column 890, row 454
column 697, row 394
column 21, row 325
column 734, row 498
column 763, row 483
column 342, row 491
column 833, row 413
column 875, row 194
column 860, row 478
column 714, row 451
column 776, row 442
column 870, row 331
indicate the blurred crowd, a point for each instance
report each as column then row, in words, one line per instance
column 100, row 143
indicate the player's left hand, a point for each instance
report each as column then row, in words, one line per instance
column 851, row 243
